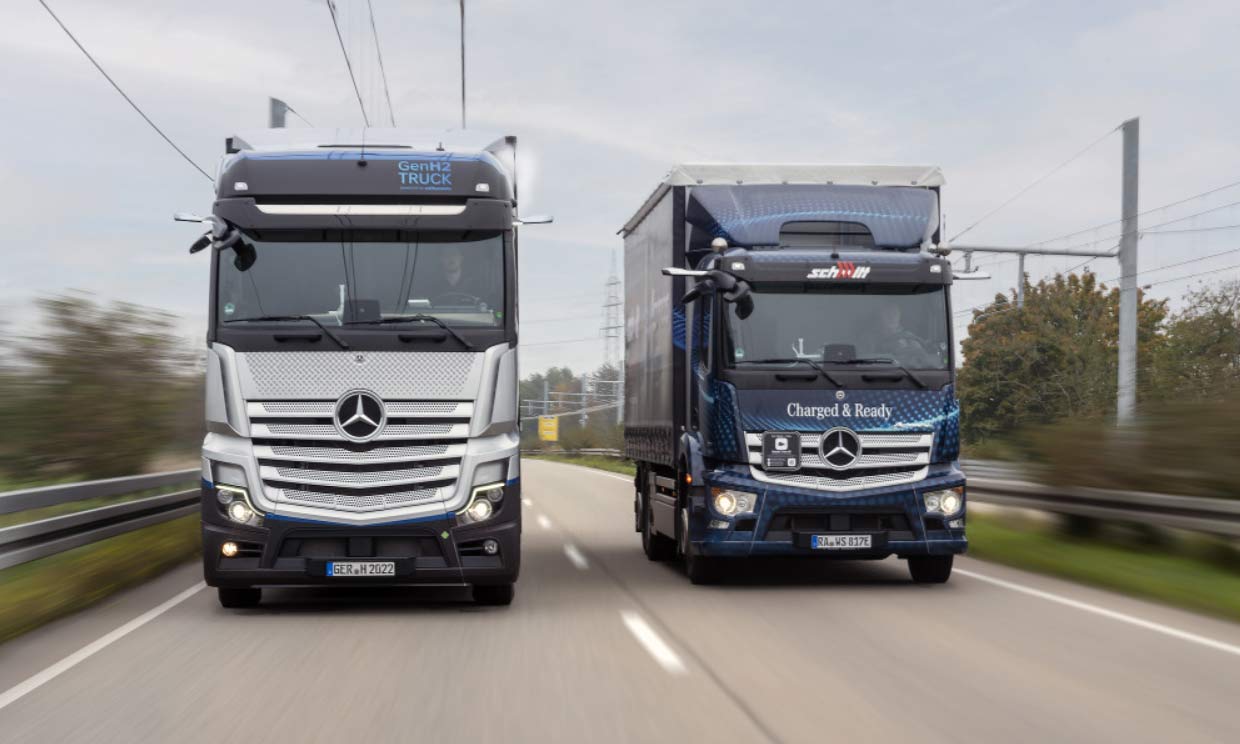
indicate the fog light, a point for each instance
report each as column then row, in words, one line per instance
column 719, row 524
column 490, row 547
column 229, row 549
column 239, row 511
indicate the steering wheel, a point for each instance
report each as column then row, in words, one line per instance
column 469, row 299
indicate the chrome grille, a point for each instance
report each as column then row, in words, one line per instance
column 303, row 459
column 887, row 459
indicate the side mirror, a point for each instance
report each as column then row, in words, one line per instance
column 741, row 297
column 971, row 275
column 536, row 219
column 201, row 244
column 246, row 255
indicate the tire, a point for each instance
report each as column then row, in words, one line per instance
column 656, row 547
column 494, row 595
column 930, row 569
column 239, row 598
column 700, row 569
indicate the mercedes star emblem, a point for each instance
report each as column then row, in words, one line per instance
column 840, row 448
column 360, row 415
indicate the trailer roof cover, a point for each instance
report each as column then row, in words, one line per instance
column 753, row 214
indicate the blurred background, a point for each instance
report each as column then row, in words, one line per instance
column 102, row 312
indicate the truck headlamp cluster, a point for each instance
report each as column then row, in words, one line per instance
column 946, row 502
column 729, row 502
column 483, row 503
column 235, row 502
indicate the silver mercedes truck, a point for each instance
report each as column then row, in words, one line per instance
column 361, row 385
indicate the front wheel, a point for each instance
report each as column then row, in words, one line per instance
column 235, row 598
column 930, row 569
column 494, row 595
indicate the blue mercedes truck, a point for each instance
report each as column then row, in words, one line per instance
column 789, row 378
column 361, row 386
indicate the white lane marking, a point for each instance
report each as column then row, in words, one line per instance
column 575, row 557
column 1112, row 614
column 527, row 502
column 544, row 522
column 20, row 690
column 654, row 645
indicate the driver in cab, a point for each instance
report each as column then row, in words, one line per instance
column 453, row 282
column 895, row 340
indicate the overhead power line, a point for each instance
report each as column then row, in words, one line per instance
column 348, row 64
column 1035, row 182
column 379, row 54
column 124, row 95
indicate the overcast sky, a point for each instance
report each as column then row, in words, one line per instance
column 605, row 96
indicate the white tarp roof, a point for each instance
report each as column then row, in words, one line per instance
column 701, row 174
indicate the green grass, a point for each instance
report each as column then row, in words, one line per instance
column 1161, row 573
column 40, row 591
column 614, row 464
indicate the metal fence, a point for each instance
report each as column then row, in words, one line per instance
column 989, row 483
column 26, row 542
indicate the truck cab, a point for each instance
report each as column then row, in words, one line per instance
column 361, row 403
column 806, row 365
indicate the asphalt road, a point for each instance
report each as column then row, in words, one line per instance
column 603, row 646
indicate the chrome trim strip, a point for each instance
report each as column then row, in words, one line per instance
column 359, row 479
column 373, row 456
column 328, row 433
column 873, row 440
column 861, row 482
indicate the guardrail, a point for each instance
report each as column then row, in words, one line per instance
column 596, row 451
column 26, row 542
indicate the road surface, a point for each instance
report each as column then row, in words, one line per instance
column 604, row 646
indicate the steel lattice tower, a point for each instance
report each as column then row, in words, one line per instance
column 612, row 329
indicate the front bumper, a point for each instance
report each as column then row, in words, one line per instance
column 786, row 518
column 426, row 551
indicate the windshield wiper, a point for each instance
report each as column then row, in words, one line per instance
column 418, row 318
column 890, row 363
column 810, row 362
column 339, row 341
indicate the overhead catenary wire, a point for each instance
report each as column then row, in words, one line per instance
column 382, row 72
column 1035, row 182
column 347, row 63
column 124, row 95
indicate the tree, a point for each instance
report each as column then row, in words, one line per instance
column 1201, row 355
column 1054, row 358
column 97, row 391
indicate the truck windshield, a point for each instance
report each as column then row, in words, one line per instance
column 864, row 325
column 343, row 277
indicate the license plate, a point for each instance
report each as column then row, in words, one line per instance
column 361, row 568
column 843, row 542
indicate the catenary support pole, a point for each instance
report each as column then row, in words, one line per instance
column 1020, row 281
column 1126, row 406
column 276, row 113
column 462, row 64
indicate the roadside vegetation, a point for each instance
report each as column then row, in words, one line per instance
column 1038, row 385
column 41, row 591
column 93, row 391
column 1193, row 573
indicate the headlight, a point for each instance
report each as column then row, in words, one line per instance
column 729, row 503
column 946, row 502
column 483, row 503
column 236, row 505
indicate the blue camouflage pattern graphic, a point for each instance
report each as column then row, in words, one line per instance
column 859, row 410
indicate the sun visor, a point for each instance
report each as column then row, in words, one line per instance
column 752, row 214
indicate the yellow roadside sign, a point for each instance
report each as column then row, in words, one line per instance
column 549, row 428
